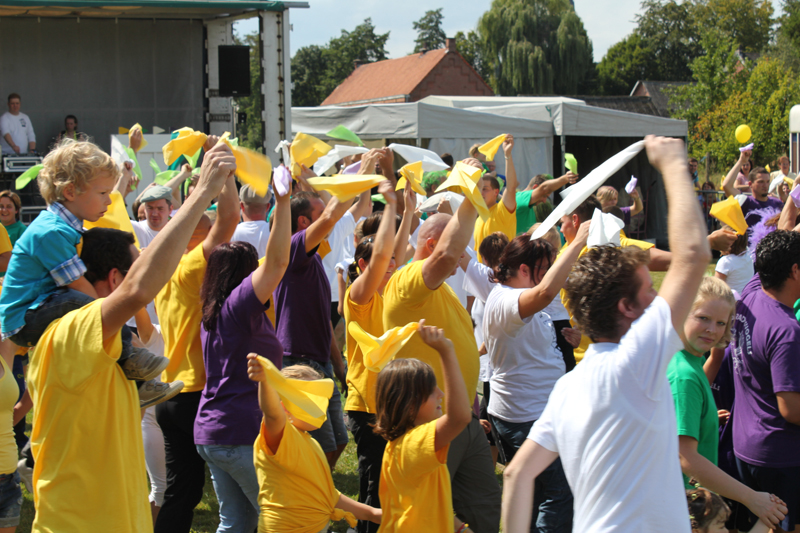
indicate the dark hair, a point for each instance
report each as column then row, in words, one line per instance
column 753, row 176
column 537, row 180
column 775, row 255
column 614, row 210
column 492, row 247
column 692, row 160
column 447, row 159
column 301, row 206
column 228, row 265
column 739, row 245
column 542, row 210
column 105, row 249
column 73, row 117
column 523, row 251
column 14, row 95
column 363, row 251
column 599, row 280
column 492, row 181
column 372, row 223
column 704, row 508
column 135, row 208
column 586, row 209
column 14, row 197
column 402, row 387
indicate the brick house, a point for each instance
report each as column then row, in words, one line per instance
column 410, row 79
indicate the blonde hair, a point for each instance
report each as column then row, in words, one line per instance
column 73, row 162
column 304, row 372
column 716, row 289
column 606, row 193
column 551, row 236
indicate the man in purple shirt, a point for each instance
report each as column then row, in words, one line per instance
column 303, row 308
column 765, row 337
column 760, row 206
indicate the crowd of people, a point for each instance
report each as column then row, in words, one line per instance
column 206, row 337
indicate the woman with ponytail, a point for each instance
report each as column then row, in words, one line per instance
column 372, row 266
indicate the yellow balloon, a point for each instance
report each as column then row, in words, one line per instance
column 743, row 133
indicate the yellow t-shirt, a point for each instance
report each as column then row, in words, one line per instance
column 500, row 219
column 295, row 487
column 406, row 299
column 180, row 312
column 586, row 341
column 5, row 241
column 415, row 484
column 87, row 433
column 9, row 393
column 360, row 381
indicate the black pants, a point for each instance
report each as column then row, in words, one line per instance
column 369, row 448
column 186, row 472
column 567, row 351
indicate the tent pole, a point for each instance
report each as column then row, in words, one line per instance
column 563, row 151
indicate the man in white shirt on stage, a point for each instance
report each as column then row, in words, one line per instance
column 254, row 227
column 16, row 130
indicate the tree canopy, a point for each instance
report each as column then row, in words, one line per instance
column 430, row 34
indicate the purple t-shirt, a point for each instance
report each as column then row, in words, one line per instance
column 626, row 215
column 228, row 414
column 303, row 304
column 765, row 361
column 754, row 210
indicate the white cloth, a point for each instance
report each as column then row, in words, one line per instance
column 144, row 234
column 456, row 282
column 612, row 422
column 21, row 130
column 155, row 456
column 738, row 269
column 604, row 230
column 477, row 283
column 524, row 357
column 341, row 232
column 256, row 233
column 556, row 310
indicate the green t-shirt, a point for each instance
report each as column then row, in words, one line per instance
column 695, row 409
column 15, row 231
column 525, row 215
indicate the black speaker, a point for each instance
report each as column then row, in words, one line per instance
column 234, row 71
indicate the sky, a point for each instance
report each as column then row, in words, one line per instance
column 606, row 21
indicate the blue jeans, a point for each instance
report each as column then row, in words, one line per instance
column 10, row 500
column 236, row 485
column 552, row 498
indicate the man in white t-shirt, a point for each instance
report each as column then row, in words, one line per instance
column 254, row 227
column 157, row 202
column 612, row 419
column 16, row 130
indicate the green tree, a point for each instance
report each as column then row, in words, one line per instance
column 308, row 73
column 251, row 134
column 747, row 22
column 469, row 46
column 623, row 65
column 430, row 34
column 535, row 47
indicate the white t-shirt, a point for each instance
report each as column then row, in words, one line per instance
column 342, row 231
column 556, row 309
column 21, row 130
column 144, row 234
column 256, row 233
column 524, row 357
column 738, row 268
column 612, row 422
column 477, row 283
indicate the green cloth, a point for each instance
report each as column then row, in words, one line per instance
column 15, row 231
column 525, row 215
column 695, row 409
column 797, row 310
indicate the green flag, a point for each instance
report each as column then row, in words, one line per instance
column 26, row 177
column 192, row 160
column 571, row 163
column 340, row 132
column 154, row 166
column 136, row 169
column 163, row 177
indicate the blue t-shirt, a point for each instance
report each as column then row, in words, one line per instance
column 43, row 259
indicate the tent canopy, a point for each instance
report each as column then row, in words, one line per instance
column 148, row 9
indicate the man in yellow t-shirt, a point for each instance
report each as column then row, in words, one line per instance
column 419, row 291
column 180, row 312
column 502, row 215
column 82, row 396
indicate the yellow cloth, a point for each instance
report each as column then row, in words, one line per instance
column 730, row 212
column 188, row 141
column 9, row 393
column 346, row 186
column 378, row 351
column 586, row 341
column 500, row 219
column 305, row 400
column 490, row 149
column 252, row 168
column 406, row 299
column 415, row 489
column 5, row 240
column 465, row 178
column 116, row 217
column 295, row 487
column 305, row 150
column 130, row 132
column 412, row 173
column 94, row 409
column 324, row 248
column 180, row 312
column 360, row 381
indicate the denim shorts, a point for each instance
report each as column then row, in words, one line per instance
column 10, row 500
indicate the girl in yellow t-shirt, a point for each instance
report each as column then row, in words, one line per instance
column 296, row 492
column 371, row 269
column 415, row 483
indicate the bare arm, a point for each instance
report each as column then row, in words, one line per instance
column 175, row 184
column 659, row 260
column 267, row 276
column 730, row 179
column 270, row 404
column 127, row 181
column 788, row 215
column 687, row 234
column 455, row 237
column 144, row 327
column 713, row 363
column 789, row 406
column 82, row 284
column 510, row 194
column 637, row 206
column 401, row 239
column 320, row 228
column 363, row 206
column 547, row 188
column 518, row 478
column 360, row 510
column 23, row 407
column 5, row 257
column 227, row 217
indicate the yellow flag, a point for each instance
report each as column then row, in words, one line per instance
column 188, row 142
column 305, row 400
column 412, row 173
column 116, row 217
column 252, row 168
column 305, row 150
column 345, row 187
column 490, row 149
column 465, row 178
column 131, row 132
column 730, row 212
column 378, row 351
column 123, row 131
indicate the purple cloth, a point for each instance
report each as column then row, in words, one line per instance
column 228, row 414
column 626, row 215
column 754, row 210
column 765, row 361
column 723, row 390
column 303, row 304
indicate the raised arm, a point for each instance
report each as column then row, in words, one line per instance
column 730, row 179
column 127, row 181
column 321, row 228
column 227, row 217
column 270, row 404
column 510, row 194
column 788, row 214
column 267, row 276
column 176, row 182
column 401, row 239
column 451, row 246
column 637, row 206
column 687, row 234
column 543, row 191
column 364, row 288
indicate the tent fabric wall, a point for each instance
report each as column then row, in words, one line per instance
column 532, row 156
column 107, row 74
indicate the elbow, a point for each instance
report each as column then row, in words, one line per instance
column 791, row 416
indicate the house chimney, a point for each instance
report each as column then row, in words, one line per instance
column 450, row 44
column 357, row 63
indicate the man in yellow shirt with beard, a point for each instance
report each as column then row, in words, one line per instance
column 502, row 214
column 87, row 438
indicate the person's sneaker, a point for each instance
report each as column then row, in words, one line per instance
column 155, row 391
column 25, row 474
column 144, row 365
